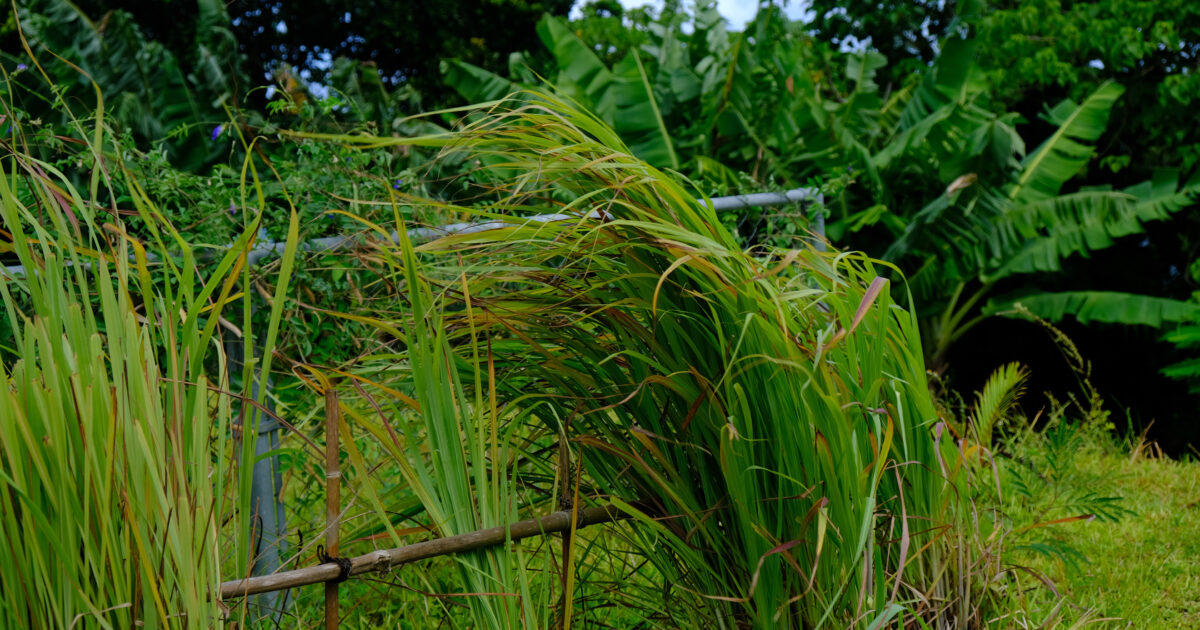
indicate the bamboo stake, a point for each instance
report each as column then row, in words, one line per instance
column 384, row 559
column 333, row 499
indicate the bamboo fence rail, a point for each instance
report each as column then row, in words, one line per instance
column 385, row 559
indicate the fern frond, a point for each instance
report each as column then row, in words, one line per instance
column 1000, row 394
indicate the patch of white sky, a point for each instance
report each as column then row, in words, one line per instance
column 736, row 12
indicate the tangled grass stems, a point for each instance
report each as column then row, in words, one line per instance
column 772, row 407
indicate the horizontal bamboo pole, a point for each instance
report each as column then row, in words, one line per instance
column 384, row 559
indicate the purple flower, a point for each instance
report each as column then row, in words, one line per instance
column 217, row 132
column 396, row 184
column 232, row 209
column 22, row 67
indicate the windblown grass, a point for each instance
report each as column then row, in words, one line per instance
column 764, row 415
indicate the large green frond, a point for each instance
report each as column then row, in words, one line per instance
column 1059, row 227
column 1068, row 150
column 475, row 84
column 1100, row 306
column 1186, row 337
column 622, row 96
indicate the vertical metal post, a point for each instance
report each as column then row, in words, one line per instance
column 333, row 498
column 267, row 513
column 817, row 216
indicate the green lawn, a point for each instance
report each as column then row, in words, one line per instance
column 1142, row 571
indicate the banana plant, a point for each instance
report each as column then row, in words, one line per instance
column 1187, row 338
column 937, row 176
column 977, row 234
column 147, row 88
column 622, row 96
column 709, row 102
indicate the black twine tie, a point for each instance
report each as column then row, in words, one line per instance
column 343, row 563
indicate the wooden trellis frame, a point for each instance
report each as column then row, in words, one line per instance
column 333, row 569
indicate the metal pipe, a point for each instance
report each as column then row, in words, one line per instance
column 818, row 223
column 266, row 506
column 331, row 243
column 754, row 200
column 422, row 234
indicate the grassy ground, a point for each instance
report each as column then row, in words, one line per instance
column 1142, row 571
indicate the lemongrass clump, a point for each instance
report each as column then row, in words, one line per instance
column 119, row 499
column 767, row 412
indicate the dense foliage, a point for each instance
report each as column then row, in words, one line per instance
column 932, row 174
column 780, row 424
column 298, row 41
column 165, row 98
column 1038, row 52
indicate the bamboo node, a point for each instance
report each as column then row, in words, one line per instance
column 381, row 561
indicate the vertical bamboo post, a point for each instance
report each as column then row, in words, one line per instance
column 333, row 499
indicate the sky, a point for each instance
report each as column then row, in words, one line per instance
column 738, row 12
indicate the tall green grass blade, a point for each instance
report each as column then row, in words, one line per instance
column 107, row 505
